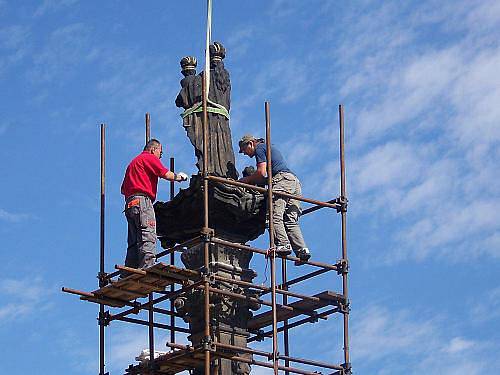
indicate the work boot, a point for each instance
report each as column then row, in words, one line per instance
column 283, row 250
column 304, row 255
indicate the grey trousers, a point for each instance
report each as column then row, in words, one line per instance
column 141, row 238
column 286, row 212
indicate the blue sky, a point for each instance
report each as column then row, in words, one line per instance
column 421, row 89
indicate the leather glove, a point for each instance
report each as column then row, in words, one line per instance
column 182, row 176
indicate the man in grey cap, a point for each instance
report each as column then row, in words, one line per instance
column 286, row 211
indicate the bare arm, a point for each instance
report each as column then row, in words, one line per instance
column 258, row 177
column 171, row 176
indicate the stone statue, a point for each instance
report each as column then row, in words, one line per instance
column 235, row 214
column 220, row 149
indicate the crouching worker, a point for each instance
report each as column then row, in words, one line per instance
column 139, row 188
column 286, row 211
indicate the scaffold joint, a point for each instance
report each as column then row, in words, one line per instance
column 347, row 368
column 344, row 306
column 103, row 281
column 208, row 344
column 342, row 202
column 104, row 319
column 207, row 234
column 342, row 266
column 259, row 335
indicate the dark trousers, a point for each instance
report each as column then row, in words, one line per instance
column 141, row 238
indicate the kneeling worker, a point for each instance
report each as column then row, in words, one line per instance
column 286, row 211
column 139, row 188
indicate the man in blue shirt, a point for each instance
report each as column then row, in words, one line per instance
column 286, row 211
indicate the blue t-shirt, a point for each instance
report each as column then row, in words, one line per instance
column 278, row 163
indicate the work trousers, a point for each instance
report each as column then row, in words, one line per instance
column 286, row 212
column 141, row 238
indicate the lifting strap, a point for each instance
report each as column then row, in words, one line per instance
column 212, row 107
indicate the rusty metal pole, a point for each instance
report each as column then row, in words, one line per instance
column 344, row 239
column 205, row 226
column 148, row 127
column 101, row 250
column 151, row 324
column 272, row 252
column 172, row 259
column 286, row 343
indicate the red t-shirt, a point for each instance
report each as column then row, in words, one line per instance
column 142, row 175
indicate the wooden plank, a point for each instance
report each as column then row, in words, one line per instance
column 174, row 362
column 326, row 298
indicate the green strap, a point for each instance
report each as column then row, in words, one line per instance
column 215, row 108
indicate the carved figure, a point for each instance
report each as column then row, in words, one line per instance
column 220, row 149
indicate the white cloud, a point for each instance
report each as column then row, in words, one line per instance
column 13, row 217
column 458, row 344
column 66, row 48
column 23, row 297
column 410, row 342
column 14, row 43
column 51, row 6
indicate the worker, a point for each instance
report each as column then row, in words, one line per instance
column 286, row 211
column 139, row 188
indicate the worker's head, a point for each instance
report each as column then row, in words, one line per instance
column 154, row 147
column 247, row 145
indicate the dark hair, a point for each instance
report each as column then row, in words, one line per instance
column 153, row 143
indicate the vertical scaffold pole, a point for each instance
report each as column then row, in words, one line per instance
column 101, row 248
column 272, row 253
column 205, row 225
column 151, row 327
column 286, row 343
column 344, row 239
column 148, row 127
column 172, row 260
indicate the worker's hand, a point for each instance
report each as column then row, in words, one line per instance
column 182, row 176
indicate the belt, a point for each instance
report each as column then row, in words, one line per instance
column 129, row 198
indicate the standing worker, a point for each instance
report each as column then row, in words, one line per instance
column 139, row 188
column 286, row 211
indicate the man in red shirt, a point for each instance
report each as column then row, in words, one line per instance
column 139, row 188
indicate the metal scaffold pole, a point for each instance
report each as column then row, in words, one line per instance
column 206, row 227
column 151, row 323
column 206, row 244
column 172, row 259
column 343, row 198
column 148, row 127
column 272, row 252
column 286, row 343
column 101, row 250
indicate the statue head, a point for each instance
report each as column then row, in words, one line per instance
column 217, row 52
column 188, row 65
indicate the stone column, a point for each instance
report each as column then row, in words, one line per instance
column 229, row 316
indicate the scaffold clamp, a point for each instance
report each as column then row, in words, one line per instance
column 271, row 252
column 344, row 306
column 103, row 318
column 259, row 335
column 342, row 266
column 207, row 234
column 342, row 202
column 208, row 344
column 347, row 368
column 103, row 280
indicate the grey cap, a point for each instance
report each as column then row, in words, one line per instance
column 247, row 138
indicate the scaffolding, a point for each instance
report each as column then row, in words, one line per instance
column 144, row 283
